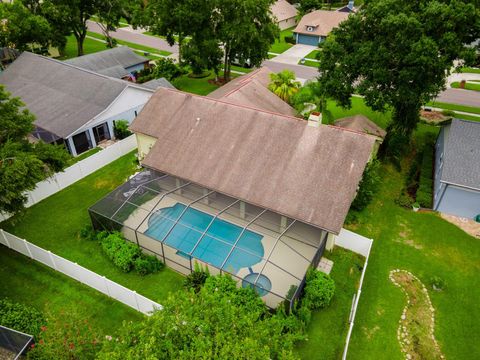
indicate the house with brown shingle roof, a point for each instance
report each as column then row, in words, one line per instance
column 284, row 13
column 315, row 26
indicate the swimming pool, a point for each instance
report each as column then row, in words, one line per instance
column 189, row 229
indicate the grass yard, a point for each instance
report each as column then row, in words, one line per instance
column 89, row 47
column 424, row 244
column 332, row 323
column 470, row 70
column 197, row 86
column 455, row 107
column 131, row 45
column 280, row 45
column 313, row 55
column 309, row 63
column 55, row 222
column 468, row 86
column 31, row 283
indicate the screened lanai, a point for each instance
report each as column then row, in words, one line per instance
column 183, row 223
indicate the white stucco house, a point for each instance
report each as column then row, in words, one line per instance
column 72, row 106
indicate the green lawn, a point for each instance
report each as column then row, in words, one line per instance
column 313, row 55
column 31, row 283
column 309, row 63
column 470, row 70
column 328, row 329
column 131, row 45
column 89, row 47
column 197, row 86
column 467, row 117
column 423, row 244
column 54, row 224
column 468, row 86
column 455, row 107
column 280, row 45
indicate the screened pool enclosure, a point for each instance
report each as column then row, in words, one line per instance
column 183, row 223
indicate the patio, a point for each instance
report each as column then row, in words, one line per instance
column 183, row 224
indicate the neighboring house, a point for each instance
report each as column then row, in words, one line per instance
column 118, row 62
column 349, row 8
column 315, row 26
column 285, row 14
column 72, row 106
column 248, row 192
column 363, row 124
column 457, row 169
column 252, row 90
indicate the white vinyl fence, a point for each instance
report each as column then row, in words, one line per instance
column 361, row 245
column 79, row 273
column 78, row 171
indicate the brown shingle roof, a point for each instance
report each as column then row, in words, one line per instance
column 274, row 161
column 251, row 90
column 322, row 21
column 361, row 123
column 283, row 10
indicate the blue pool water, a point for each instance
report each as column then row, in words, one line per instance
column 189, row 230
column 262, row 286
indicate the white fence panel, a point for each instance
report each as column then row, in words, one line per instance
column 66, row 267
column 91, row 279
column 3, row 238
column 122, row 294
column 43, row 190
column 354, row 242
column 41, row 255
column 17, row 244
column 146, row 305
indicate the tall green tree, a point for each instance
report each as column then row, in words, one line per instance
column 23, row 30
column 284, row 84
column 110, row 12
column 22, row 164
column 245, row 29
column 397, row 54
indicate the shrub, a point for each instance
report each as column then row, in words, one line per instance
column 404, row 200
column 319, row 289
column 425, row 188
column 166, row 68
column 147, row 264
column 121, row 252
column 449, row 113
column 21, row 317
column 197, row 278
column 88, row 233
column 368, row 186
column 290, row 39
column 121, row 129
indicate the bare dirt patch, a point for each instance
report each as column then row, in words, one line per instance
column 471, row 227
column 417, row 323
column 406, row 238
column 433, row 117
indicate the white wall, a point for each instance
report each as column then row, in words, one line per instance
column 460, row 202
column 354, row 242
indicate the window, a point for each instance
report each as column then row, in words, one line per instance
column 309, row 28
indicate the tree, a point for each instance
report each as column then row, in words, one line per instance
column 23, row 30
column 72, row 15
column 284, row 84
column 397, row 53
column 309, row 97
column 245, row 29
column 22, row 164
column 221, row 321
column 306, row 6
column 109, row 14
column 203, row 54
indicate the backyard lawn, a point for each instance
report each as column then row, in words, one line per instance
column 199, row 86
column 55, row 222
column 332, row 323
column 424, row 244
column 89, row 47
column 280, row 45
column 33, row 284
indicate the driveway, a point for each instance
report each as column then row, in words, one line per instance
column 135, row 36
column 293, row 55
column 302, row 72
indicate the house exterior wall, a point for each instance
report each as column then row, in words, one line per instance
column 137, row 67
column 460, row 201
column 438, row 187
column 144, row 144
column 287, row 23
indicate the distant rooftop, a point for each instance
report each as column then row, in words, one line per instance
column 361, row 123
column 156, row 83
column 283, row 10
column 321, row 22
column 462, row 154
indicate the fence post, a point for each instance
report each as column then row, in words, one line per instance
column 28, row 248
column 136, row 300
column 106, row 286
column 5, row 237
column 53, row 260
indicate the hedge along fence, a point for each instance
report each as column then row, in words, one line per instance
column 78, row 171
column 81, row 274
column 425, row 184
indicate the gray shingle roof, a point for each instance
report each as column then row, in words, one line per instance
column 462, row 154
column 270, row 160
column 107, row 59
column 117, row 72
column 62, row 97
column 156, row 83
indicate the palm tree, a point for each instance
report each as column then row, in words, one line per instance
column 284, row 84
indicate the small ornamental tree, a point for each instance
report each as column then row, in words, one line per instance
column 319, row 289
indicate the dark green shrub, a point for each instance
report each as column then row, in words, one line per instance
column 166, row 68
column 425, row 188
column 121, row 129
column 290, row 39
column 21, row 317
column 88, row 233
column 404, row 200
column 197, row 278
column 319, row 289
column 121, row 252
column 368, row 186
column 147, row 264
column 304, row 313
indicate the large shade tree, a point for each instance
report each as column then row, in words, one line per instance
column 22, row 164
column 397, row 54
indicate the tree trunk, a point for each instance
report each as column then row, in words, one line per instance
column 181, row 39
column 80, row 41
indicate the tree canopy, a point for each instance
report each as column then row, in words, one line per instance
column 284, row 84
column 397, row 53
column 22, row 164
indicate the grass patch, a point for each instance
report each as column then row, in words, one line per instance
column 313, row 55
column 332, row 323
column 85, row 155
column 280, row 45
column 468, row 86
column 197, row 86
column 31, row 283
column 470, row 70
column 55, row 222
column 131, row 45
column 467, row 117
column 309, row 63
column 454, row 107
column 89, row 47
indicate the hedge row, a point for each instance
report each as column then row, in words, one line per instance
column 425, row 184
